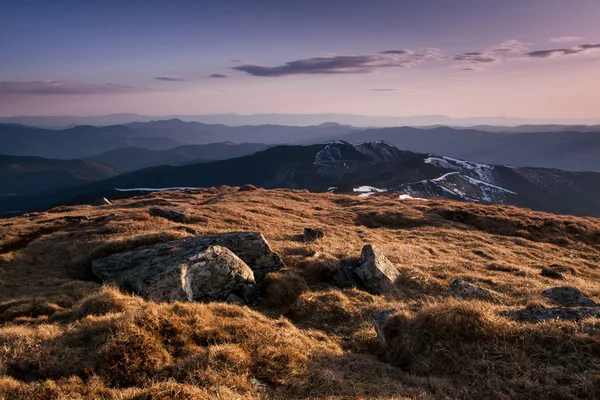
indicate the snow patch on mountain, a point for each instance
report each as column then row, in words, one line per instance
column 365, row 189
column 482, row 171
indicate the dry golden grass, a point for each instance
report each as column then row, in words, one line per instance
column 62, row 335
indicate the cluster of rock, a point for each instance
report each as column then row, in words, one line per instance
column 223, row 267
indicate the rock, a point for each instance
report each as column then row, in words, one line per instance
column 189, row 230
column 171, row 215
column 233, row 299
column 136, row 270
column 550, row 273
column 467, row 291
column 379, row 320
column 376, row 272
column 311, row 235
column 345, row 276
column 102, row 202
column 247, row 188
column 568, row 296
column 541, row 314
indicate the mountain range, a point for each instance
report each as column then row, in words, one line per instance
column 294, row 120
column 365, row 169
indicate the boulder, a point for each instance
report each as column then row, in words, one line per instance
column 311, row 235
column 235, row 300
column 467, row 291
column 379, row 320
column 541, row 314
column 171, row 215
column 102, row 202
column 247, row 188
column 568, row 296
column 376, row 272
column 162, row 266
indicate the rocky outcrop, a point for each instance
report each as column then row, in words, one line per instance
column 568, row 296
column 376, row 272
column 172, row 270
column 311, row 235
column 542, row 314
column 171, row 215
column 466, row 291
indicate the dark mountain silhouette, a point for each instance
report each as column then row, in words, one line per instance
column 361, row 169
column 26, row 175
column 133, row 158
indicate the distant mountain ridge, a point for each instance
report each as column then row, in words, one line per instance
column 294, row 120
column 368, row 167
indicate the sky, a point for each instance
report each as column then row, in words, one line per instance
column 461, row 58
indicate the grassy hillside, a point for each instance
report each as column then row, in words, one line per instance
column 62, row 335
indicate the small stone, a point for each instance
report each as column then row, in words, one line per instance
column 102, row 202
column 172, row 215
column 379, row 320
column 376, row 272
column 233, row 299
column 541, row 314
column 568, row 296
column 311, row 235
column 467, row 291
column 247, row 188
column 550, row 273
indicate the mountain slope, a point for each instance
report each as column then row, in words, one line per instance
column 573, row 150
column 26, row 175
column 345, row 168
column 134, row 158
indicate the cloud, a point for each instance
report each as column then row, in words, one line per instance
column 65, row 88
column 566, row 39
column 511, row 46
column 382, row 90
column 476, row 57
column 582, row 48
column 402, row 51
column 218, row 76
column 482, row 60
column 362, row 64
column 169, row 79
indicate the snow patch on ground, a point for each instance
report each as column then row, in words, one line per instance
column 409, row 197
column 365, row 195
column 369, row 189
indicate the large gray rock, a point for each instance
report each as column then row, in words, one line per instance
column 466, row 291
column 212, row 274
column 568, row 296
column 159, row 271
column 542, row 314
column 376, row 272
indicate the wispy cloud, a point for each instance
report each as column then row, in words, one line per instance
column 582, row 48
column 388, row 90
column 361, row 64
column 566, row 39
column 170, row 79
column 482, row 60
column 65, row 88
column 218, row 76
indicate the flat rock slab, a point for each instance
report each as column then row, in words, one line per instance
column 467, row 291
column 171, row 215
column 541, row 314
column 568, row 296
column 376, row 272
column 129, row 269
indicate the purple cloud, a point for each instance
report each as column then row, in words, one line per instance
column 218, row 76
column 169, row 79
column 56, row 88
column 344, row 64
column 566, row 39
column 565, row 51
